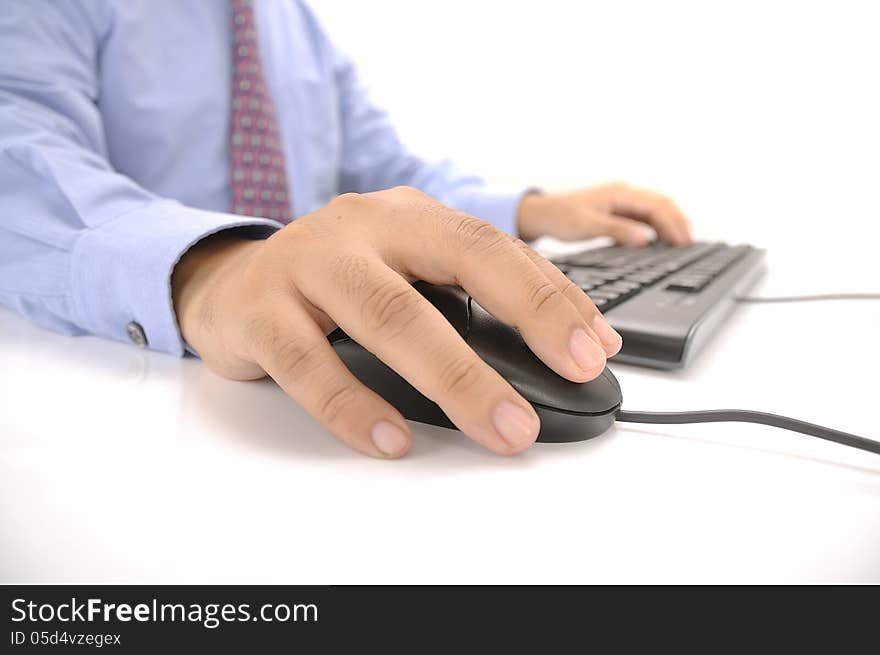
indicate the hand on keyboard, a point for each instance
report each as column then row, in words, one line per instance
column 613, row 275
column 664, row 300
column 616, row 210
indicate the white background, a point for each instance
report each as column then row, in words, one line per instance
column 759, row 116
column 122, row 465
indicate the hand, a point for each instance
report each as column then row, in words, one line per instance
column 616, row 210
column 252, row 308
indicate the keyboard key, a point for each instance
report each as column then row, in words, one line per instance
column 617, row 273
column 607, row 294
column 691, row 285
column 587, row 258
column 668, row 284
column 625, row 286
column 644, row 278
column 587, row 279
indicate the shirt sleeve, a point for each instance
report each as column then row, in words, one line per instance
column 373, row 156
column 83, row 248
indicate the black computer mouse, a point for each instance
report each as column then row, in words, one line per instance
column 569, row 411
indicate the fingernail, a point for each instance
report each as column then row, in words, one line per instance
column 516, row 426
column 389, row 438
column 586, row 353
column 606, row 333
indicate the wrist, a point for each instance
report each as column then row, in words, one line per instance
column 199, row 274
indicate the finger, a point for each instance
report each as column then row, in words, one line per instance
column 655, row 209
column 601, row 329
column 294, row 351
column 383, row 313
column 487, row 263
column 625, row 231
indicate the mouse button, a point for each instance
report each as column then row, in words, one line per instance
column 382, row 379
column 612, row 379
column 608, row 390
column 451, row 301
column 503, row 349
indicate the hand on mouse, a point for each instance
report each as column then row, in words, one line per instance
column 616, row 210
column 251, row 308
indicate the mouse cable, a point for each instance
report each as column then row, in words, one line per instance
column 809, row 298
column 747, row 416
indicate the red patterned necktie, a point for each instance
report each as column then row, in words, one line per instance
column 258, row 175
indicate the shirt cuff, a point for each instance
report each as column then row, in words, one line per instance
column 498, row 207
column 121, row 269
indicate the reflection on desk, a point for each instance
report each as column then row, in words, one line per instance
column 123, row 465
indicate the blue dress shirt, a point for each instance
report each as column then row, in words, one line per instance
column 114, row 155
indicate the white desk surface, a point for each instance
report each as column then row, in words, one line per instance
column 121, row 465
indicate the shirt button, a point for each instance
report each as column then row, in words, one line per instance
column 136, row 334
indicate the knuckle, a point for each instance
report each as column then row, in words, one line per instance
column 337, row 402
column 522, row 245
column 404, row 190
column 295, row 357
column 262, row 331
column 572, row 291
column 542, row 295
column 529, row 252
column 295, row 243
column 429, row 209
column 352, row 216
column 297, row 234
column 349, row 273
column 390, row 308
column 668, row 205
column 350, row 199
column 615, row 191
column 460, row 376
column 475, row 234
column 345, row 206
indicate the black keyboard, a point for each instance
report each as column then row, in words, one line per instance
column 664, row 301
